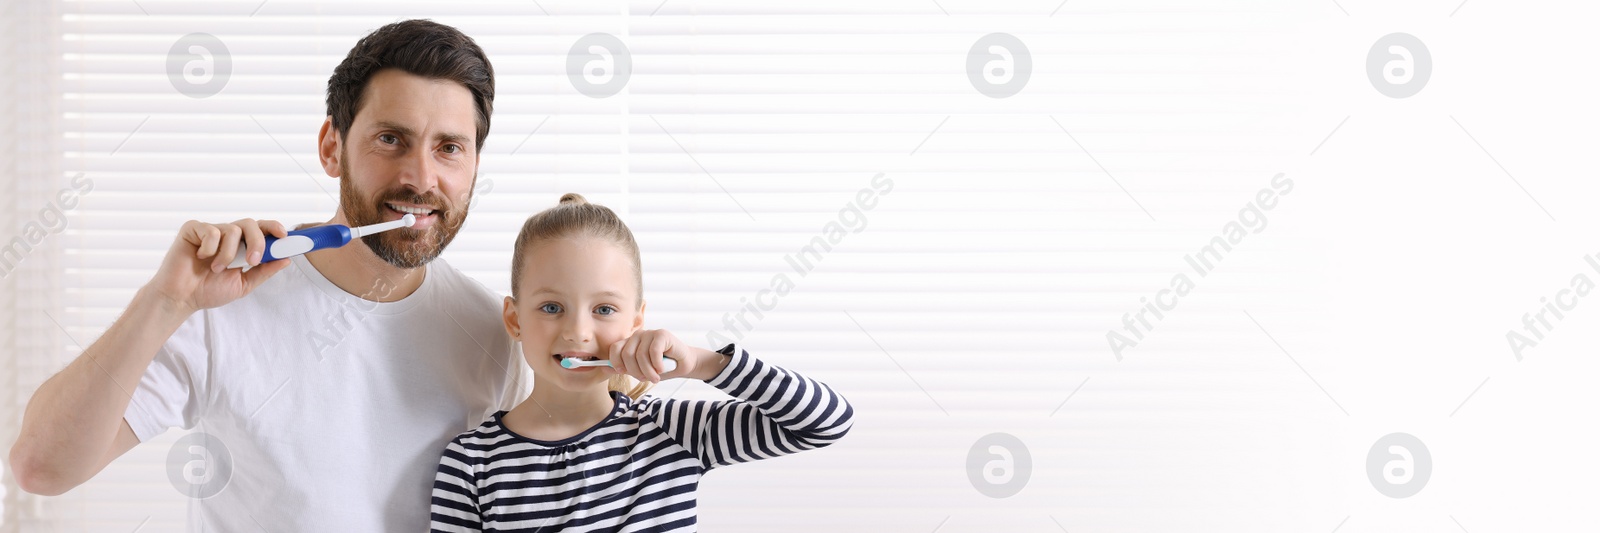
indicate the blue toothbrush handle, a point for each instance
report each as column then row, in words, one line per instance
column 296, row 243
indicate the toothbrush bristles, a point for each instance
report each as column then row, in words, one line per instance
column 408, row 220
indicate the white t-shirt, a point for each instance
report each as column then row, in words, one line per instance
column 332, row 409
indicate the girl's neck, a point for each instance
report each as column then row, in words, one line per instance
column 551, row 413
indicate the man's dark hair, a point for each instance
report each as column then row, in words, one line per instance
column 420, row 47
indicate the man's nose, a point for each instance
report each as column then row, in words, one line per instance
column 419, row 171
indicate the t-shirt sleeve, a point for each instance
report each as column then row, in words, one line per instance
column 774, row 412
column 168, row 394
column 454, row 505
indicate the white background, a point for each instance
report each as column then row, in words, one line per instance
column 978, row 297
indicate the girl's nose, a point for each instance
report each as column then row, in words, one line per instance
column 578, row 330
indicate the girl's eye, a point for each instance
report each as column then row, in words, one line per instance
column 608, row 310
column 550, row 308
column 387, row 138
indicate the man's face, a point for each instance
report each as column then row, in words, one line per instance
column 411, row 149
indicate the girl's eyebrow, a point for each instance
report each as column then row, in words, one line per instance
column 548, row 290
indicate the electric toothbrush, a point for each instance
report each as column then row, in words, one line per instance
column 310, row 239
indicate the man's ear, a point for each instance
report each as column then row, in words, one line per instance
column 477, row 164
column 638, row 320
column 509, row 314
column 328, row 149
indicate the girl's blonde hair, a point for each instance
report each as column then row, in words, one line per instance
column 574, row 217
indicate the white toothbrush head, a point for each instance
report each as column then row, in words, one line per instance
column 362, row 231
column 573, row 362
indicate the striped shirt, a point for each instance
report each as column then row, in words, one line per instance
column 638, row 469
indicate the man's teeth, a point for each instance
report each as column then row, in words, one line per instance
column 413, row 210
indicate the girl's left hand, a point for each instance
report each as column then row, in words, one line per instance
column 641, row 355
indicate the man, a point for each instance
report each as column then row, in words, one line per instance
column 327, row 383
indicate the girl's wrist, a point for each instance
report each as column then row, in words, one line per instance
column 708, row 364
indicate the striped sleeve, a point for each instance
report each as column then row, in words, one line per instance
column 455, row 495
column 774, row 412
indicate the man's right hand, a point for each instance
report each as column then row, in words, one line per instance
column 74, row 425
column 194, row 275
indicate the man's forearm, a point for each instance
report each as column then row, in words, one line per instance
column 71, row 422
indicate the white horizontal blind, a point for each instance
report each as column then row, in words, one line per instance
column 30, row 177
column 975, row 297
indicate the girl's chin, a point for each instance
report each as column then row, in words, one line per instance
column 583, row 377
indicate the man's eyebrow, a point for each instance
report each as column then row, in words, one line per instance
column 386, row 125
column 548, row 290
column 408, row 132
column 455, row 138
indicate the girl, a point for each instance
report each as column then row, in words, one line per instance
column 587, row 451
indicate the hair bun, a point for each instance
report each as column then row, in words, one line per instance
column 572, row 198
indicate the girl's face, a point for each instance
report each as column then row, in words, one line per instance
column 577, row 298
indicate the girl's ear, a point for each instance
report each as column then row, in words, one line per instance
column 509, row 314
column 638, row 319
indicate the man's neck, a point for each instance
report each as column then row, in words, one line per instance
column 355, row 269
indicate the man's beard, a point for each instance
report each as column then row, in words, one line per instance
column 403, row 247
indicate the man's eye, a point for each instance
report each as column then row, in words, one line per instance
column 550, row 308
column 388, row 139
column 452, row 149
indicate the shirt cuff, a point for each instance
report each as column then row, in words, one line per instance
column 731, row 370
